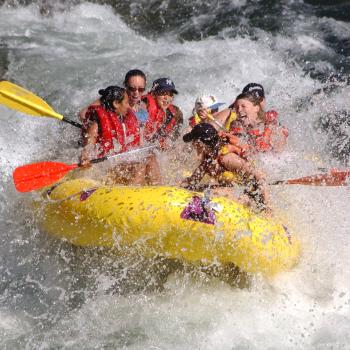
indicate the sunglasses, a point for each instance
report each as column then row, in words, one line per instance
column 134, row 89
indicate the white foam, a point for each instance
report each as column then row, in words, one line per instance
column 66, row 58
column 12, row 327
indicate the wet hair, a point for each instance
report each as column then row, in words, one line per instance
column 134, row 73
column 111, row 94
column 254, row 99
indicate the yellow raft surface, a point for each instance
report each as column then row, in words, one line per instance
column 167, row 221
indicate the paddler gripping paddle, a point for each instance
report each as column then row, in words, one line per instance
column 34, row 176
column 333, row 178
column 22, row 100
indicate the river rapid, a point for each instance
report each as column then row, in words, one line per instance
column 54, row 296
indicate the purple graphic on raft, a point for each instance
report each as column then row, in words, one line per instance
column 197, row 211
column 86, row 194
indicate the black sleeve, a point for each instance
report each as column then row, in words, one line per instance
column 196, row 177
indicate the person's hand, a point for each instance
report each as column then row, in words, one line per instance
column 267, row 210
column 163, row 145
column 188, row 183
column 185, row 183
column 232, row 139
column 223, row 134
column 84, row 163
column 203, row 113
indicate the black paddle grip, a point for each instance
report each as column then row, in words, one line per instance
column 72, row 122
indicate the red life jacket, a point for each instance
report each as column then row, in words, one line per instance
column 261, row 140
column 156, row 122
column 124, row 130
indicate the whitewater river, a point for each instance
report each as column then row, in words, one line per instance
column 53, row 296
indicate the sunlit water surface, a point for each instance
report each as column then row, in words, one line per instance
column 53, row 295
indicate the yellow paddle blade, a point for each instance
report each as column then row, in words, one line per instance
column 22, row 100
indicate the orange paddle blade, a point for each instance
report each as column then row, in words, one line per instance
column 31, row 177
column 334, row 178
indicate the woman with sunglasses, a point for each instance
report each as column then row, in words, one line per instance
column 135, row 85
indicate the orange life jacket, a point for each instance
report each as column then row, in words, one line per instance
column 260, row 140
column 124, row 130
column 271, row 117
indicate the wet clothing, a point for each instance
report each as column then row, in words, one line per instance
column 211, row 165
column 141, row 113
column 260, row 138
column 271, row 117
column 142, row 116
column 231, row 118
column 162, row 125
column 254, row 140
column 196, row 119
column 116, row 134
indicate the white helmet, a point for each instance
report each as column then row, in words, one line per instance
column 209, row 101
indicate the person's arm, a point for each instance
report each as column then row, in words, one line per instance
column 241, row 151
column 82, row 113
column 234, row 145
column 220, row 118
column 192, row 181
column 90, row 141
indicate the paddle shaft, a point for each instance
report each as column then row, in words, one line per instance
column 34, row 176
column 120, row 155
column 333, row 178
column 72, row 122
column 221, row 127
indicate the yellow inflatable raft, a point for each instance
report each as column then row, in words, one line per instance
column 167, row 221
